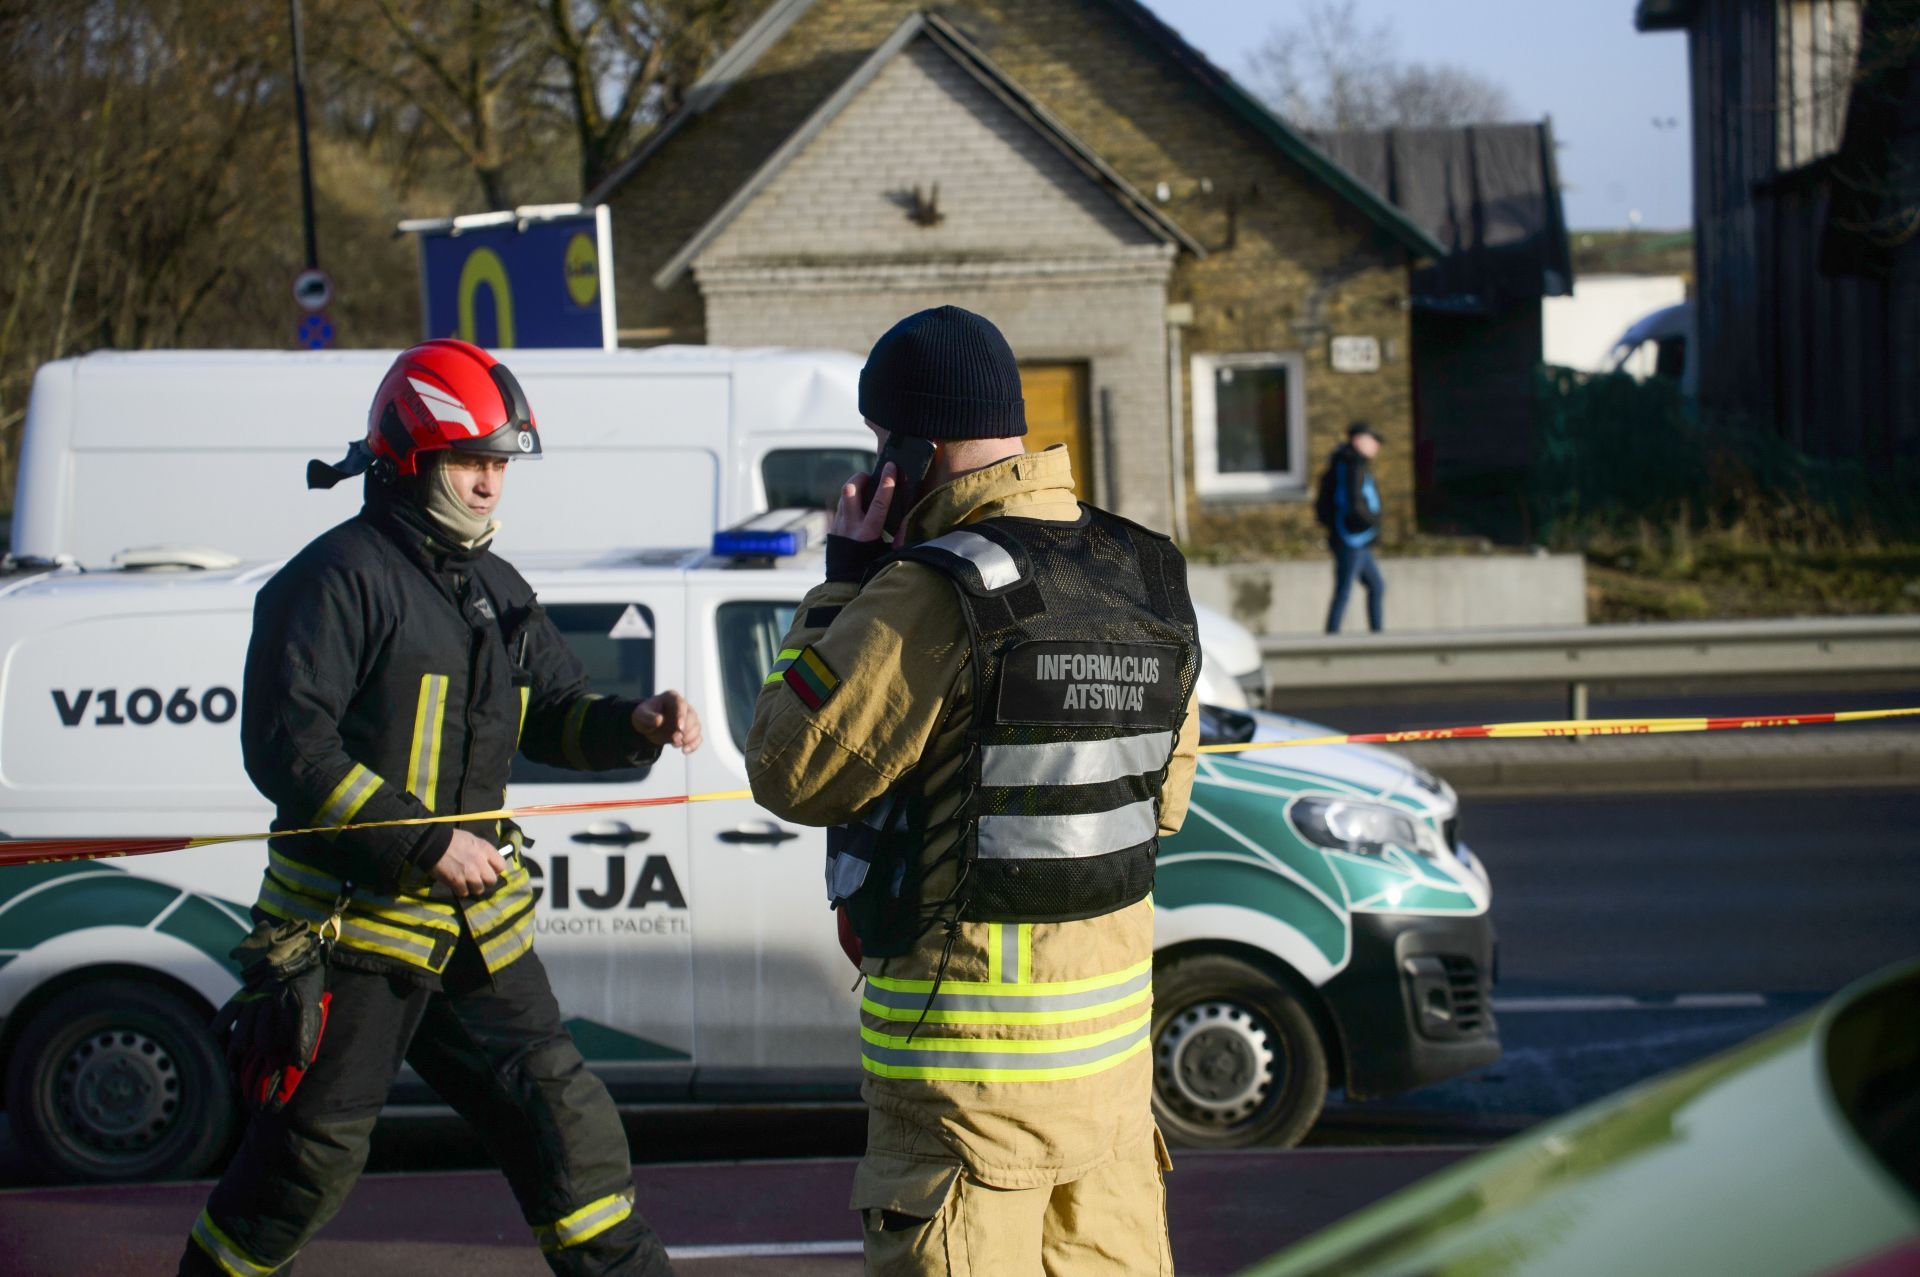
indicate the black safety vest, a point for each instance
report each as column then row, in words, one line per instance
column 1084, row 656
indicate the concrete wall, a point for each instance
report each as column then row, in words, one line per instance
column 1454, row 593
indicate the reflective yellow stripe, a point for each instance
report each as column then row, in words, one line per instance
column 348, row 797
column 570, row 733
column 222, row 1251
column 504, row 949
column 427, row 915
column 361, row 932
column 429, row 721
column 587, row 1223
column 521, row 730
column 962, row 1002
column 1052, row 988
column 1004, row 1046
column 1026, row 953
column 780, row 664
column 515, row 892
column 1073, row 1015
column 987, row 1060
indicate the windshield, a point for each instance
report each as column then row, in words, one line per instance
column 1225, row 726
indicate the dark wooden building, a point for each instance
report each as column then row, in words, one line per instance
column 1806, row 146
column 1490, row 195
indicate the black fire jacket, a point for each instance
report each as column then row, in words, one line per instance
column 391, row 677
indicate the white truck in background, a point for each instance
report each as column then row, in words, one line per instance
column 197, row 458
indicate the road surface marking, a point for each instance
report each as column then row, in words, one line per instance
column 1622, row 1002
column 764, row 1250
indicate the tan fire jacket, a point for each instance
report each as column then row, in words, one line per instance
column 1033, row 1063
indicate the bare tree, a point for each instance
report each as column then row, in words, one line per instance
column 467, row 71
column 507, row 83
column 620, row 65
column 1331, row 72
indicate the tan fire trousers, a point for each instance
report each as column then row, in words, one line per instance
column 940, row 1221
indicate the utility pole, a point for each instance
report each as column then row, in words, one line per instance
column 300, row 118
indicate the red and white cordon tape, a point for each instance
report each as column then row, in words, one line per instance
column 29, row 851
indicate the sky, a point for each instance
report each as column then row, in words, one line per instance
column 1579, row 61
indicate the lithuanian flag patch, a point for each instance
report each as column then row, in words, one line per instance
column 811, row 679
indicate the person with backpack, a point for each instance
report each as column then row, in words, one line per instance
column 1348, row 506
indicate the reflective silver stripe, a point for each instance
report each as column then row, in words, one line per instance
column 515, row 891
column 506, row 947
column 1075, row 762
column 1043, row 1003
column 355, row 933
column 429, row 914
column 282, row 903
column 223, row 1252
column 1067, row 837
column 348, row 797
column 302, row 877
column 1004, row 1061
column 990, row 559
column 1010, row 953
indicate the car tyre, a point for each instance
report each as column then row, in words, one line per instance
column 120, row 1080
column 1237, row 1060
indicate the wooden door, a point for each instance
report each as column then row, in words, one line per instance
column 1056, row 397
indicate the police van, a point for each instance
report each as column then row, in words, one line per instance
column 1319, row 923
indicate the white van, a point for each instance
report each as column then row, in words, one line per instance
column 690, row 946
column 208, row 448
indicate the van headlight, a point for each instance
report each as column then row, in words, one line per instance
column 1342, row 824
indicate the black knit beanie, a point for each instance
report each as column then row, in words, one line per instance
column 945, row 373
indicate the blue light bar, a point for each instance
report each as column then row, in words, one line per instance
column 778, row 534
column 738, row 543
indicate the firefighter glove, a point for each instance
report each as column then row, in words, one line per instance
column 271, row 1028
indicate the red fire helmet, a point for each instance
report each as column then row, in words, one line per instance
column 448, row 393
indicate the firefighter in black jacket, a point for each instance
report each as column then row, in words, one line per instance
column 396, row 666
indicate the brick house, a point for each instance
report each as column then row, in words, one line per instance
column 1172, row 264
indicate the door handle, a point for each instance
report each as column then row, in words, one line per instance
column 611, row 833
column 767, row 832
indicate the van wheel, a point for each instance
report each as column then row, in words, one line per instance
column 120, row 1080
column 1236, row 1058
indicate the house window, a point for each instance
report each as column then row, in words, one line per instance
column 1817, row 56
column 1249, row 424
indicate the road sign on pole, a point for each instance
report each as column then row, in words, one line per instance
column 315, row 331
column 312, row 289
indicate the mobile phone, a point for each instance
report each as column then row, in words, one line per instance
column 912, row 458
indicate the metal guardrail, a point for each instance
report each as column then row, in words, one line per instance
column 1578, row 656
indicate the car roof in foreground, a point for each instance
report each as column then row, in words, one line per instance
column 1765, row 1160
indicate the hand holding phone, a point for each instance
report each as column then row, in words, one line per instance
column 873, row 506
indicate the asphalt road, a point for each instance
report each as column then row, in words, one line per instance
column 1637, row 933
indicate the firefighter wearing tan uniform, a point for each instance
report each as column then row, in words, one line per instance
column 1008, row 1070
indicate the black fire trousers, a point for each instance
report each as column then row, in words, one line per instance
column 495, row 1050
